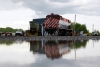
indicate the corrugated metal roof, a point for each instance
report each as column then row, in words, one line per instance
column 40, row 20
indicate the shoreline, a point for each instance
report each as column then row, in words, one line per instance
column 49, row 37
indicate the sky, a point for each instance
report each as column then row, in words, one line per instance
column 18, row 13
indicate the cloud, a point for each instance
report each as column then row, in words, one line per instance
column 44, row 7
column 61, row 1
column 14, row 12
column 63, row 6
column 9, row 5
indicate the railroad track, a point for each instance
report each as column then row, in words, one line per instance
column 49, row 37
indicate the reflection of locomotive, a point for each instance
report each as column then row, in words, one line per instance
column 52, row 49
column 55, row 49
column 35, row 27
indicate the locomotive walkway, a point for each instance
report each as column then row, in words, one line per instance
column 28, row 38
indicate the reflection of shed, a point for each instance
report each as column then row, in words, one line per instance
column 55, row 49
column 36, row 47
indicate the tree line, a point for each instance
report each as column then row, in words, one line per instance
column 8, row 29
column 75, row 26
column 81, row 27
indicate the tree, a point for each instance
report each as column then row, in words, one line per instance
column 79, row 27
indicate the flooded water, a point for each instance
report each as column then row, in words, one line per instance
column 63, row 53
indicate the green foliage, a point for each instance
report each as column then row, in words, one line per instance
column 98, row 32
column 6, row 42
column 8, row 29
column 79, row 27
column 78, row 44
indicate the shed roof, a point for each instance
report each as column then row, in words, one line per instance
column 39, row 20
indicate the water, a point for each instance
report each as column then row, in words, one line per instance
column 50, row 53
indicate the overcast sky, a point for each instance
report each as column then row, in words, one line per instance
column 18, row 13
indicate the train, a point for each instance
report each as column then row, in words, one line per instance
column 56, row 25
column 35, row 27
column 53, row 24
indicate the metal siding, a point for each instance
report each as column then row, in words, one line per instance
column 66, row 20
column 39, row 20
column 56, row 23
column 51, row 22
column 63, row 24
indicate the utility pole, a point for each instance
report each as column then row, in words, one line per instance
column 42, row 30
column 74, row 24
column 93, row 31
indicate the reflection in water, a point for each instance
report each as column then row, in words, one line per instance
column 36, row 54
column 36, row 47
column 7, row 42
column 18, row 41
column 55, row 49
column 79, row 43
column 52, row 49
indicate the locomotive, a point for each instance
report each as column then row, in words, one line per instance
column 55, row 24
